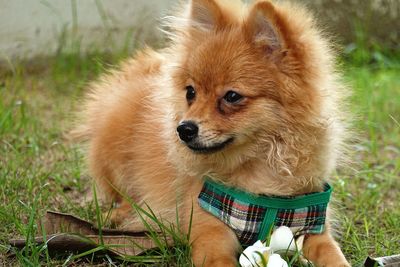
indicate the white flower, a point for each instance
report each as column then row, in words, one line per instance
column 255, row 255
column 275, row 260
column 282, row 241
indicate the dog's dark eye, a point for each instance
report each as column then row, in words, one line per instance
column 190, row 93
column 232, row 97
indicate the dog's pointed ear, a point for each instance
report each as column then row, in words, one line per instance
column 206, row 15
column 265, row 27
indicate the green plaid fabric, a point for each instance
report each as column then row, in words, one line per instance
column 253, row 217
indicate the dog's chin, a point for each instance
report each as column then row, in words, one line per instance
column 199, row 148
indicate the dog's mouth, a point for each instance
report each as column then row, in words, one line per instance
column 203, row 149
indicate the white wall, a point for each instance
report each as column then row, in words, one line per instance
column 35, row 27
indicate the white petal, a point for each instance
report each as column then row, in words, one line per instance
column 246, row 259
column 259, row 244
column 245, row 262
column 299, row 242
column 282, row 240
column 275, row 260
column 251, row 256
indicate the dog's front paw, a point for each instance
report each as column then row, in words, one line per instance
column 227, row 262
column 118, row 215
column 215, row 262
column 335, row 264
column 323, row 251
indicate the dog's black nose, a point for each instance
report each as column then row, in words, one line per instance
column 187, row 131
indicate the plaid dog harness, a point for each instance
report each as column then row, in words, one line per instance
column 254, row 217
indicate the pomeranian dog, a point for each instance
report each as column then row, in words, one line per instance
column 246, row 94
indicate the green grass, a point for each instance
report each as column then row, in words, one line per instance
column 370, row 195
column 41, row 170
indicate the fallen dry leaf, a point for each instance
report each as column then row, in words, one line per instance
column 67, row 233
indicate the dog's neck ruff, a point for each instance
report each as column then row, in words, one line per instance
column 254, row 217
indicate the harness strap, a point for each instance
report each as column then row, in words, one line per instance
column 309, row 204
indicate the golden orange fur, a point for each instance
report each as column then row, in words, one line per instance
column 287, row 130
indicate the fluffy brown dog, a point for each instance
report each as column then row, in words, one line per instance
column 246, row 94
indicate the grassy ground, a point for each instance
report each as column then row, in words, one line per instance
column 40, row 170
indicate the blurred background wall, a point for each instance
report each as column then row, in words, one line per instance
column 375, row 22
column 43, row 27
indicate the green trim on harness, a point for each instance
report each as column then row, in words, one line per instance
column 275, row 202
